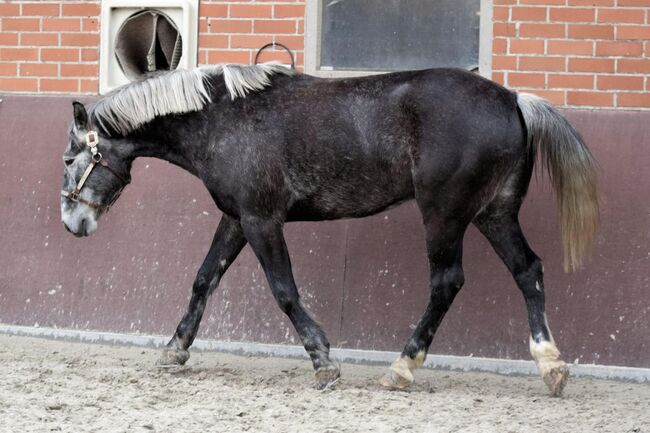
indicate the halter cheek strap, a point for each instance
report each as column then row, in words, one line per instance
column 92, row 140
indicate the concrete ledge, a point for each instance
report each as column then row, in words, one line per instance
column 445, row 362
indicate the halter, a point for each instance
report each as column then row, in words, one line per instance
column 92, row 140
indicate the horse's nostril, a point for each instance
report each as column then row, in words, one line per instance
column 67, row 228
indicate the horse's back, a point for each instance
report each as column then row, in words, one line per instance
column 349, row 147
column 441, row 131
column 352, row 147
column 399, row 116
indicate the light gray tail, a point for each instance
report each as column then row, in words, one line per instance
column 572, row 170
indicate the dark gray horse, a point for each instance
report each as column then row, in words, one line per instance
column 273, row 146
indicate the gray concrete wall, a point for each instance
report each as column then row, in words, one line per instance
column 366, row 280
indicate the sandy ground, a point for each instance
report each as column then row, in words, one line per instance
column 75, row 387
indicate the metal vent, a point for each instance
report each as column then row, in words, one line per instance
column 148, row 41
column 142, row 36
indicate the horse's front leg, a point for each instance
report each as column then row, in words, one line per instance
column 227, row 243
column 267, row 240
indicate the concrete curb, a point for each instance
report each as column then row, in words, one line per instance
column 445, row 362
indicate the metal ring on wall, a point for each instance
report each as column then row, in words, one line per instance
column 276, row 44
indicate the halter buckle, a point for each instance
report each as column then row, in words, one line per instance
column 74, row 196
column 92, row 139
column 97, row 157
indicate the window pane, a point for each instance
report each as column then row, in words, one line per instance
column 399, row 34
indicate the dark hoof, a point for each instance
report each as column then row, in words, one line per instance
column 556, row 379
column 171, row 357
column 326, row 377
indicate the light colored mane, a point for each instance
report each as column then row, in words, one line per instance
column 180, row 91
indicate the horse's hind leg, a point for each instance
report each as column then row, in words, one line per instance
column 227, row 243
column 445, row 250
column 499, row 223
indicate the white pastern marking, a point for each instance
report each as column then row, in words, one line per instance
column 543, row 350
column 545, row 353
column 405, row 366
column 546, row 356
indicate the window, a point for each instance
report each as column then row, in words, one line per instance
column 359, row 37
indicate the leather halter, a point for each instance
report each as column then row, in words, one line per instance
column 92, row 140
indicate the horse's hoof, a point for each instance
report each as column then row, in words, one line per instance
column 326, row 377
column 172, row 356
column 395, row 380
column 400, row 374
column 556, row 379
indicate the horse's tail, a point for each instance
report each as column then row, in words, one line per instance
column 572, row 170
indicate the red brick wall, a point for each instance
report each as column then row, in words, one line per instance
column 233, row 31
column 49, row 47
column 577, row 53
column 53, row 47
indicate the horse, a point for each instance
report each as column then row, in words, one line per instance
column 274, row 146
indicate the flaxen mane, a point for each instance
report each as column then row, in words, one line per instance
column 180, row 91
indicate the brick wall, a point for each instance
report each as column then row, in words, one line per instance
column 52, row 47
column 577, row 53
column 49, row 47
column 233, row 31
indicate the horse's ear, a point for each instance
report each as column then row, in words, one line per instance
column 80, row 116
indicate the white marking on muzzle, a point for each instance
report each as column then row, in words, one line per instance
column 73, row 214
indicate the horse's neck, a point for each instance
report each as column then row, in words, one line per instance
column 154, row 142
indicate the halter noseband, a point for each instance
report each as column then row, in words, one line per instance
column 92, row 140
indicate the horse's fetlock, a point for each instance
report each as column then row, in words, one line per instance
column 411, row 348
column 314, row 346
column 309, row 344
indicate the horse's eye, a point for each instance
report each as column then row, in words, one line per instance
column 68, row 161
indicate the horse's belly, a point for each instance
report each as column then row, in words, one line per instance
column 335, row 203
column 357, row 180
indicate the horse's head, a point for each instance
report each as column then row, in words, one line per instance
column 96, row 170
